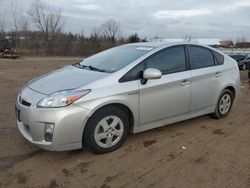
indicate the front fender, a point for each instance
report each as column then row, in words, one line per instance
column 130, row 101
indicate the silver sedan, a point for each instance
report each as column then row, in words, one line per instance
column 130, row 88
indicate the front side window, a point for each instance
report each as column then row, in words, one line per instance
column 200, row 57
column 133, row 74
column 169, row 61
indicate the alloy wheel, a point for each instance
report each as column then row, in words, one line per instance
column 225, row 104
column 109, row 131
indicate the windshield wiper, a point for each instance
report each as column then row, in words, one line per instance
column 94, row 68
column 89, row 67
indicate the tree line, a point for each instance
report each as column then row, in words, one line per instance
column 41, row 32
column 48, row 36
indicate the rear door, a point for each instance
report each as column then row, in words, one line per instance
column 206, row 77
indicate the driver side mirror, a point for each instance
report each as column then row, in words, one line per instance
column 150, row 74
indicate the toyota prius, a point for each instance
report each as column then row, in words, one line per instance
column 98, row 101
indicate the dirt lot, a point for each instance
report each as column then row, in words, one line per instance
column 201, row 152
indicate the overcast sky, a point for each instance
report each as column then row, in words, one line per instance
column 225, row 19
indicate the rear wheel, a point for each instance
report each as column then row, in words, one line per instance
column 106, row 130
column 224, row 104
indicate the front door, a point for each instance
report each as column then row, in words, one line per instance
column 169, row 96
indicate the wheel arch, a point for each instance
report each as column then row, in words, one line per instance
column 120, row 105
column 231, row 88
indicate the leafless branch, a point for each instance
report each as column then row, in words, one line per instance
column 2, row 23
column 110, row 29
column 14, row 8
column 47, row 19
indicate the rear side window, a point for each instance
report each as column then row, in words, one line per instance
column 200, row 57
column 219, row 58
column 169, row 61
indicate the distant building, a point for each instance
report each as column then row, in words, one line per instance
column 227, row 44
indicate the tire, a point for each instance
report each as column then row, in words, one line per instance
column 106, row 130
column 224, row 104
column 240, row 67
column 244, row 67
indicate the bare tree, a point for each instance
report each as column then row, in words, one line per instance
column 48, row 20
column 13, row 6
column 134, row 38
column 2, row 24
column 241, row 42
column 23, row 24
column 156, row 39
column 188, row 38
column 110, row 29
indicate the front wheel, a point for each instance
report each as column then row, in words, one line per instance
column 224, row 104
column 106, row 130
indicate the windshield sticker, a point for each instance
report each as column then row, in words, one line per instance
column 144, row 48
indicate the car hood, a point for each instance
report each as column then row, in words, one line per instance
column 66, row 78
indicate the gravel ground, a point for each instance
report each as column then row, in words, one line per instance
column 200, row 152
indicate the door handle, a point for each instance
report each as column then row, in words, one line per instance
column 133, row 93
column 185, row 82
column 218, row 74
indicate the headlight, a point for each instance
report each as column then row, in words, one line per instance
column 62, row 98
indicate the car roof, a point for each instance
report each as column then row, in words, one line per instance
column 161, row 44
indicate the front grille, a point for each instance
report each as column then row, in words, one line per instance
column 24, row 102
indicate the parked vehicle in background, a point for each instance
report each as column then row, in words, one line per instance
column 7, row 52
column 242, row 60
column 129, row 88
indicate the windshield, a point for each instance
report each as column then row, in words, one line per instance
column 114, row 59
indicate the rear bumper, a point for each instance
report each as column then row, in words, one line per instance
column 69, row 125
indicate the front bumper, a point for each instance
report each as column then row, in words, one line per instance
column 69, row 125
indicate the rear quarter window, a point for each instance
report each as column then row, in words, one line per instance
column 219, row 59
